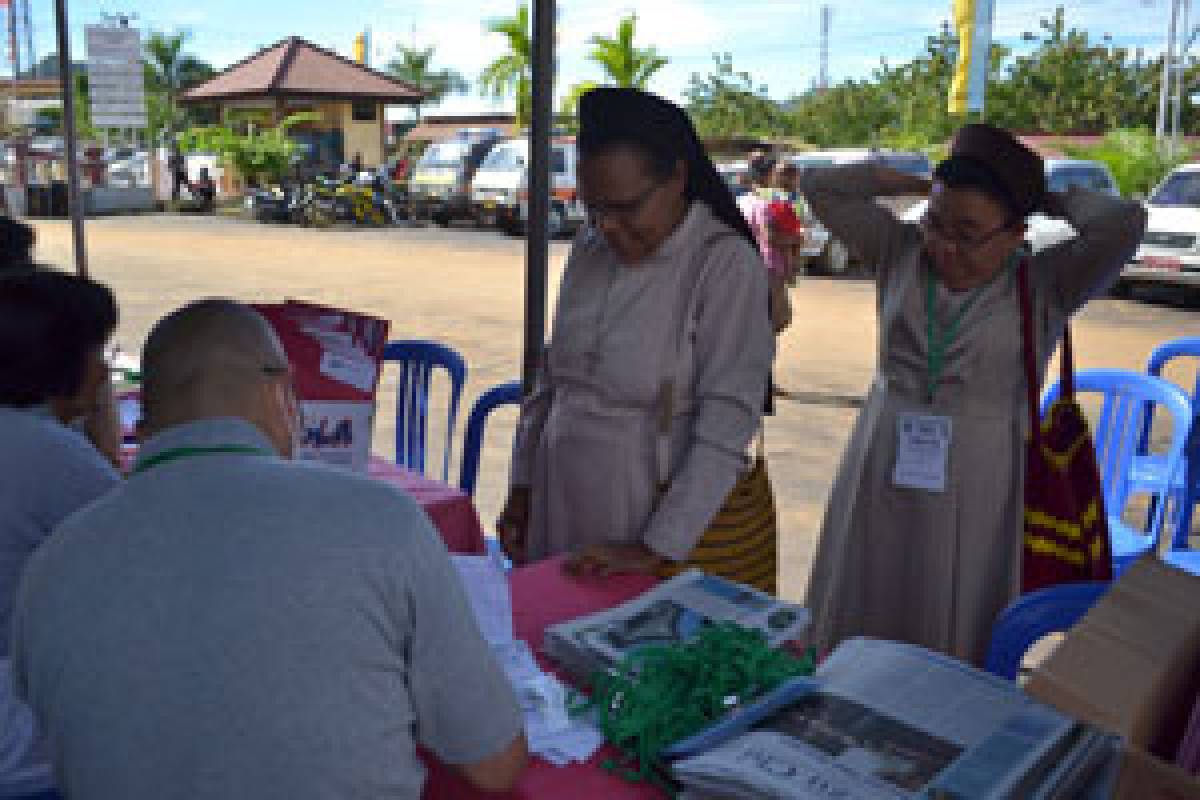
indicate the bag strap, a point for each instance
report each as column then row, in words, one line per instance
column 1066, row 357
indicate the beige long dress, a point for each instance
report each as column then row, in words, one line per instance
column 912, row 565
column 695, row 311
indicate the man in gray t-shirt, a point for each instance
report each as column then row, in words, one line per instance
column 232, row 624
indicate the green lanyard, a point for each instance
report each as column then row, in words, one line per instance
column 180, row 453
column 939, row 336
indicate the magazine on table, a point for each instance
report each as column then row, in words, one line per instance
column 670, row 613
column 890, row 720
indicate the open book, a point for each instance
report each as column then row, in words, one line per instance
column 670, row 613
column 889, row 720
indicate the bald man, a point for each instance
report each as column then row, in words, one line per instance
column 232, row 624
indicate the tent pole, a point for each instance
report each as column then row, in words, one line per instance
column 66, row 79
column 537, row 240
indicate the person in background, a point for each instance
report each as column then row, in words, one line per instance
column 922, row 535
column 775, row 236
column 663, row 302
column 53, row 331
column 205, row 191
column 230, row 623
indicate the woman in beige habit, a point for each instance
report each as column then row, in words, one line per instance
column 664, row 287
column 922, row 535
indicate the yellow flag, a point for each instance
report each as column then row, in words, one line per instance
column 360, row 48
column 973, row 23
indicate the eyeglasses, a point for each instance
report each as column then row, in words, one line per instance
column 623, row 211
column 932, row 228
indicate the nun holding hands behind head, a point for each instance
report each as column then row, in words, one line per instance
column 922, row 538
column 662, row 312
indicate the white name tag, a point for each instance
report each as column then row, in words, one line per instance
column 922, row 451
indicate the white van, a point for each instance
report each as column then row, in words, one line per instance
column 500, row 189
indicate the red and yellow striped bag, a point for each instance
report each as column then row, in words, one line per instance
column 1065, row 530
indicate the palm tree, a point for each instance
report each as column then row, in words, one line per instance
column 625, row 64
column 169, row 72
column 512, row 73
column 413, row 66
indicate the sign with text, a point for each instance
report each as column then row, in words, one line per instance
column 116, row 80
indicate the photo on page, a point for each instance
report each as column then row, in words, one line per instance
column 864, row 741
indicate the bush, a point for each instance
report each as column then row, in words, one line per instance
column 1136, row 159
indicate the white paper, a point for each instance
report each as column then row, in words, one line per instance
column 922, row 451
column 487, row 590
column 337, row 433
column 353, row 371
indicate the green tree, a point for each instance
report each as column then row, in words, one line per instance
column 169, row 73
column 260, row 154
column 726, row 102
column 512, row 73
column 414, row 65
column 624, row 63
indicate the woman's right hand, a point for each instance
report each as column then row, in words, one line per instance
column 513, row 525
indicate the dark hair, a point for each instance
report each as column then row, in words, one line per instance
column 16, row 244
column 663, row 133
column 50, row 324
column 960, row 172
column 760, row 168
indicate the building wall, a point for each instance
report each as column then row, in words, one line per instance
column 363, row 137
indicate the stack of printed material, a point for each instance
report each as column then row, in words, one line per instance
column 549, row 729
column 670, row 613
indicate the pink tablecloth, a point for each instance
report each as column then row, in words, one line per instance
column 451, row 510
column 542, row 595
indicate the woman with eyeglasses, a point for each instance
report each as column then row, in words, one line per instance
column 662, row 312
column 922, row 534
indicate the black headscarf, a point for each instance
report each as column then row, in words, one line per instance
column 610, row 116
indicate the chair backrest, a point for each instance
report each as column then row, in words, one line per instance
column 1052, row 610
column 1176, row 348
column 501, row 395
column 417, row 360
column 1128, row 398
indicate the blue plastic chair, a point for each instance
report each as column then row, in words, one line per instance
column 502, row 395
column 1052, row 610
column 417, row 360
column 1129, row 397
column 1151, row 468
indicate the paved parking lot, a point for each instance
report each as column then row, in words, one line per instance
column 465, row 287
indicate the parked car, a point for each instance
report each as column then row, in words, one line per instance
column 500, row 189
column 735, row 174
column 1169, row 254
column 1061, row 174
column 440, row 186
column 834, row 258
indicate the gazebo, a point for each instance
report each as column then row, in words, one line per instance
column 295, row 75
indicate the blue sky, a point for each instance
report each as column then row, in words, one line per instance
column 777, row 41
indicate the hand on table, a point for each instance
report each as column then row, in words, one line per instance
column 513, row 525
column 599, row 560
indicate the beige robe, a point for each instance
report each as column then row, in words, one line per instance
column 586, row 439
column 935, row 569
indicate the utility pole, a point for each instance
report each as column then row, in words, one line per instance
column 1164, row 92
column 1180, row 65
column 75, row 197
column 826, row 24
column 29, row 54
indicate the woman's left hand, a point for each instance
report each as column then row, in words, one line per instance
column 599, row 560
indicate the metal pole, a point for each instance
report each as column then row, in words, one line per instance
column 1180, row 66
column 537, row 242
column 68, row 92
column 1164, row 91
column 29, row 54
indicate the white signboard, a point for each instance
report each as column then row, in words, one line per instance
column 116, row 81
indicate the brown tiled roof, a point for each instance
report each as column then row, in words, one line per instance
column 295, row 66
column 432, row 129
